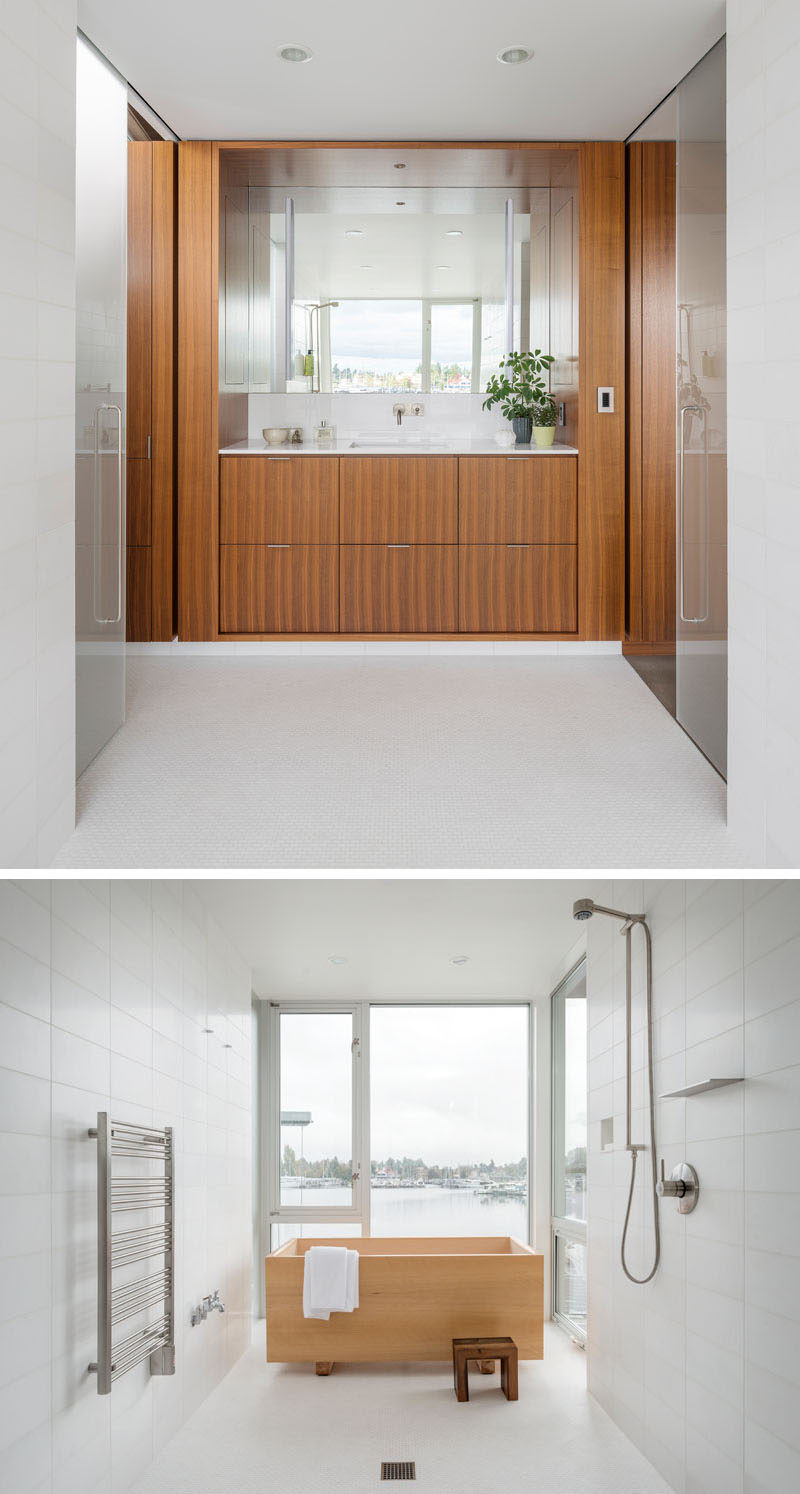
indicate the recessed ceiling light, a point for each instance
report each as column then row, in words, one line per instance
column 442, row 267
column 294, row 52
column 513, row 55
column 354, row 233
column 208, row 1030
column 399, row 165
column 337, row 959
column 460, row 960
column 399, row 204
column 365, row 267
column 454, row 233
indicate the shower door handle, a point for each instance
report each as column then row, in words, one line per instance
column 97, row 557
column 692, row 410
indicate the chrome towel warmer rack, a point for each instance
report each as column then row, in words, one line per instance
column 134, row 1192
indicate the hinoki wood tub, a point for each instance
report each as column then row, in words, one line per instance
column 416, row 1296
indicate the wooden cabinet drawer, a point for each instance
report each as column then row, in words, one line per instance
column 519, row 588
column 530, row 500
column 279, row 589
column 280, row 500
column 404, row 500
column 399, row 588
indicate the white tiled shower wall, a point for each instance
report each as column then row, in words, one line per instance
column 763, row 427
column 37, row 394
column 700, row 1367
column 105, row 989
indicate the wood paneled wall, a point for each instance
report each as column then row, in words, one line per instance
column 651, row 354
column 601, row 438
column 150, row 412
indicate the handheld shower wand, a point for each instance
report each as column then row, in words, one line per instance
column 581, row 910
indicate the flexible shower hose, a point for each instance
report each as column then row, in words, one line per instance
column 642, row 1280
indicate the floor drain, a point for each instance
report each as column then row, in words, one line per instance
column 398, row 1470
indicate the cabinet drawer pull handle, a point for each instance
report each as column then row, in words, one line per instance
column 279, row 547
column 279, row 459
column 518, row 547
column 398, row 547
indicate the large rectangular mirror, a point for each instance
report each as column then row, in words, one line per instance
column 404, row 296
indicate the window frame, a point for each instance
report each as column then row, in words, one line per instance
column 561, row 1227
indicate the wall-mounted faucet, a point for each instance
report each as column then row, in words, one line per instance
column 400, row 410
column 682, row 1184
column 208, row 1304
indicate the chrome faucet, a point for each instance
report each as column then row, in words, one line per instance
column 208, row 1304
column 399, row 411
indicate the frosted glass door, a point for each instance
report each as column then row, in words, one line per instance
column 702, row 650
column 100, row 236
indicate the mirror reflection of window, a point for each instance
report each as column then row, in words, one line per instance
column 376, row 346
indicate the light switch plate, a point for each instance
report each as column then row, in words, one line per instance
column 605, row 399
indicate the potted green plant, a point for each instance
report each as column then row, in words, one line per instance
column 518, row 389
column 545, row 420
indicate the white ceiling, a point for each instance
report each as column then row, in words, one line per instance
column 413, row 71
column 399, row 936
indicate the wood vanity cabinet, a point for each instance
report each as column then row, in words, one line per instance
column 279, row 555
column 388, row 545
column 518, row 527
column 523, row 500
column 402, row 500
column 279, row 500
column 399, row 544
column 398, row 588
column 518, row 588
column 279, row 588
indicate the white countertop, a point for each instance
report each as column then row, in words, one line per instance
column 258, row 447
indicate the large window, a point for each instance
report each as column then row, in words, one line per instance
column 449, row 1120
column 569, row 1151
column 437, row 1096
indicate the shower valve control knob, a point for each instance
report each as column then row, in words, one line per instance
column 682, row 1184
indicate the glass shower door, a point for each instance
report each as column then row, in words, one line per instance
column 701, row 646
column 100, row 241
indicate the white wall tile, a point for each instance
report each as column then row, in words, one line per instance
column 727, row 1002
column 111, row 1045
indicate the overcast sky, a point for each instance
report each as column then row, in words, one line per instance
column 361, row 332
column 449, row 1084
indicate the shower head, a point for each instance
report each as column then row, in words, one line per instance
column 586, row 907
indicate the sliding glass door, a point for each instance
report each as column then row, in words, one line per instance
column 568, row 1048
column 437, row 1096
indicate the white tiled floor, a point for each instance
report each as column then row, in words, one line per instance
column 438, row 762
column 280, row 1427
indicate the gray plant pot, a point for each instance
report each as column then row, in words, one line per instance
column 523, row 428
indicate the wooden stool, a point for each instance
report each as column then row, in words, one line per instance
column 486, row 1350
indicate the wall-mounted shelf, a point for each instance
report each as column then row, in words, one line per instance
column 701, row 1088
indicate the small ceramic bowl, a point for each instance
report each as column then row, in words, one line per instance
column 274, row 435
column 504, row 438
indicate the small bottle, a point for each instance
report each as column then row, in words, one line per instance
column 325, row 434
column 308, row 368
column 297, row 436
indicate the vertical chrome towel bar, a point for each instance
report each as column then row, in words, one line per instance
column 139, row 1192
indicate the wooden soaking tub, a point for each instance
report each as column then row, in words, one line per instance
column 416, row 1296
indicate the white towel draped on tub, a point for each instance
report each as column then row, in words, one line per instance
column 330, row 1281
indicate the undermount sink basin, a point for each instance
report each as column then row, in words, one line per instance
column 394, row 446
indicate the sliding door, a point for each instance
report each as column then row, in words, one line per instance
column 100, row 250
column 568, row 1048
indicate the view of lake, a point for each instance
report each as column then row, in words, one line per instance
column 421, row 1211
